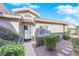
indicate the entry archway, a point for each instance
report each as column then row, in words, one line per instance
column 41, row 31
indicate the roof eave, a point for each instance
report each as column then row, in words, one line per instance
column 10, row 16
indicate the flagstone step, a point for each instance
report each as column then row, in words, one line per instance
column 68, row 49
column 65, row 52
column 60, row 54
column 70, row 46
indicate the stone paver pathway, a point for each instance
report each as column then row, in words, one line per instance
column 65, row 52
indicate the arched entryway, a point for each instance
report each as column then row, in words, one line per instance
column 42, row 31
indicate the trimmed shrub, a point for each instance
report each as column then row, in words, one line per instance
column 7, row 34
column 39, row 41
column 50, row 42
column 69, row 30
column 4, row 42
column 66, row 37
column 75, row 43
column 12, row 50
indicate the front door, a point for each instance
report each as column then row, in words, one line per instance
column 27, row 29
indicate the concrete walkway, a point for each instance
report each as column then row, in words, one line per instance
column 29, row 51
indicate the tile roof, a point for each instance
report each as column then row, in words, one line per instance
column 25, row 10
column 4, row 9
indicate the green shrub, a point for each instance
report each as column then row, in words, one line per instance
column 50, row 42
column 69, row 30
column 66, row 37
column 75, row 43
column 12, row 50
column 4, row 42
column 39, row 41
column 7, row 34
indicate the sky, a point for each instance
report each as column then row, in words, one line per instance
column 68, row 12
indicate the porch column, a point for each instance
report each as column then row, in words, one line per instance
column 63, row 29
column 21, row 40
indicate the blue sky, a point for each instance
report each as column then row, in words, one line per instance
column 68, row 12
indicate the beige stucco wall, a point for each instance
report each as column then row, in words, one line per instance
column 54, row 28
column 10, row 24
column 14, row 26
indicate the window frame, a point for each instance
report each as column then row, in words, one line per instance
column 25, row 27
column 28, row 15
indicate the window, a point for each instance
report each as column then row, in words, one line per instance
column 25, row 28
column 28, row 15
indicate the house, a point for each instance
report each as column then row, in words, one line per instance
column 73, row 27
column 77, row 30
column 3, row 9
column 26, row 22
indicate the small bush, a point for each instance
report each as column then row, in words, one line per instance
column 69, row 30
column 75, row 43
column 50, row 42
column 7, row 34
column 4, row 42
column 12, row 50
column 66, row 37
column 39, row 41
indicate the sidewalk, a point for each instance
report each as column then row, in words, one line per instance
column 29, row 51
